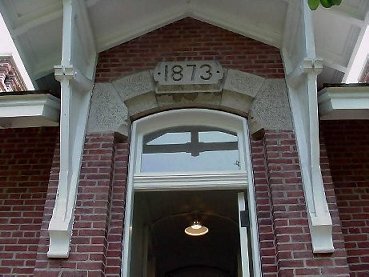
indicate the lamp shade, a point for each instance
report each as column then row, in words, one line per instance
column 196, row 229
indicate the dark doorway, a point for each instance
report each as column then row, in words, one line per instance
column 160, row 246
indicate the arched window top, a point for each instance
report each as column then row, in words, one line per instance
column 189, row 149
column 191, row 140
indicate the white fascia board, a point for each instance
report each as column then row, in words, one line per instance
column 337, row 103
column 218, row 181
column 357, row 60
column 31, row 110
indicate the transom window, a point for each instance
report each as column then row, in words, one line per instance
column 190, row 142
column 190, row 148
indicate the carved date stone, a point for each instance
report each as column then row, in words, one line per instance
column 188, row 77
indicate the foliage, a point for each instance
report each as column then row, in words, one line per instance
column 314, row 4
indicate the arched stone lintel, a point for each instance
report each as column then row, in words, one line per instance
column 138, row 98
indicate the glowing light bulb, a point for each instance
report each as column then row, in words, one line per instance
column 196, row 225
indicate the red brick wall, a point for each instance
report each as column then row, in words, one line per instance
column 96, row 248
column 268, row 250
column 10, row 78
column 283, row 227
column 25, row 161
column 115, row 229
column 347, row 144
column 189, row 39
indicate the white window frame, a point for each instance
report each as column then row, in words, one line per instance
column 166, row 181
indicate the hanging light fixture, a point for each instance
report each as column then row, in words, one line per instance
column 196, row 229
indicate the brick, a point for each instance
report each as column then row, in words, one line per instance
column 208, row 44
column 92, row 242
column 348, row 160
column 26, row 157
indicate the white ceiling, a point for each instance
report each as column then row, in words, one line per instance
column 36, row 26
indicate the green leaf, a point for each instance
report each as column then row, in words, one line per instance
column 313, row 4
column 326, row 3
column 336, row 2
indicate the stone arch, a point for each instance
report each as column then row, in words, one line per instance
column 263, row 101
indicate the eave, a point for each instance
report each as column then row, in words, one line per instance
column 344, row 102
column 36, row 27
column 29, row 109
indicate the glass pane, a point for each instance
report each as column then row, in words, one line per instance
column 190, row 149
column 171, row 138
column 216, row 136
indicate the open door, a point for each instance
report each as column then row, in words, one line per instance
column 175, row 168
column 243, row 220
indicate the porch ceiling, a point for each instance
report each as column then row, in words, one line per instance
column 36, row 26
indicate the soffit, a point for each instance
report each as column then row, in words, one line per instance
column 36, row 26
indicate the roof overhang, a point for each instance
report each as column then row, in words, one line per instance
column 20, row 110
column 36, row 26
column 344, row 102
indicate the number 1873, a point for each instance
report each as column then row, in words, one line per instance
column 188, row 72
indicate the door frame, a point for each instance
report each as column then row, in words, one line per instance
column 238, row 180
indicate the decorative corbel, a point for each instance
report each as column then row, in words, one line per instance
column 74, row 75
column 302, row 68
column 306, row 66
column 75, row 78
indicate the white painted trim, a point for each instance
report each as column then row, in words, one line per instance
column 245, row 260
column 180, row 12
column 133, row 32
column 187, row 117
column 137, row 181
column 344, row 103
column 347, row 16
column 320, row 222
column 211, row 181
column 254, row 32
column 30, row 110
column 304, row 106
column 45, row 67
column 128, row 217
column 334, row 64
column 357, row 60
column 37, row 21
column 75, row 77
column 251, row 201
column 296, row 77
column 72, row 73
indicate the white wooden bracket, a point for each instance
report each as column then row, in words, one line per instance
column 75, row 75
column 306, row 66
column 302, row 68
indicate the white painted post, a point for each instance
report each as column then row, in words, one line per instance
column 76, row 84
column 302, row 67
column 245, row 261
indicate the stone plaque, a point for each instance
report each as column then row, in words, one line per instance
column 188, row 77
